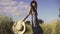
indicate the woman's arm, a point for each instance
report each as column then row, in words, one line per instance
column 25, row 18
column 27, row 15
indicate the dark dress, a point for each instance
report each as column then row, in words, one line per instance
column 34, row 22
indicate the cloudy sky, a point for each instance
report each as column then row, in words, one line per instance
column 18, row 9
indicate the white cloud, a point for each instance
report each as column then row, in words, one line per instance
column 9, row 9
column 8, row 3
column 5, row 0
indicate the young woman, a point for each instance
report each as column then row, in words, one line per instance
column 34, row 20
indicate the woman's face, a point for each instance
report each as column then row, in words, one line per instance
column 33, row 4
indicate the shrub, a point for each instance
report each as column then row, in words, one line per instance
column 5, row 25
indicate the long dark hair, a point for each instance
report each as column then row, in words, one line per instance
column 35, row 4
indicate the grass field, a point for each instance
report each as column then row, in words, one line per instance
column 50, row 28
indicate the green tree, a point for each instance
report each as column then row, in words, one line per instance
column 40, row 21
column 27, row 22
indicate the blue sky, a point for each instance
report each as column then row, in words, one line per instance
column 47, row 9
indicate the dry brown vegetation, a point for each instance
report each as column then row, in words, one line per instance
column 50, row 28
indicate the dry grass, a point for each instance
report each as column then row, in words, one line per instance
column 51, row 28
